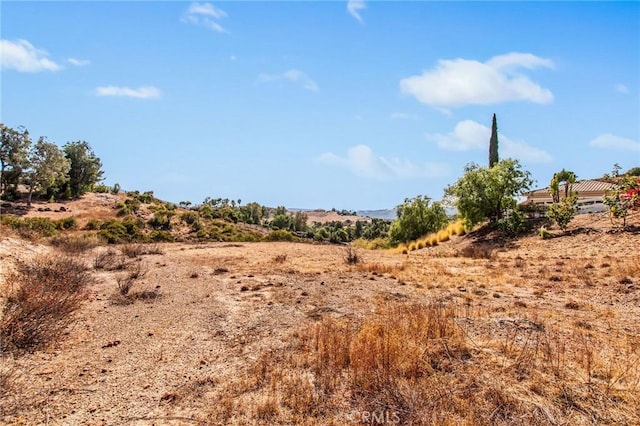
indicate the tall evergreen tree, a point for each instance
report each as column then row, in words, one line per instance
column 493, row 143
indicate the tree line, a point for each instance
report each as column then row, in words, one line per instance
column 44, row 168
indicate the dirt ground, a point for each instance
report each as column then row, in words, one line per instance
column 220, row 306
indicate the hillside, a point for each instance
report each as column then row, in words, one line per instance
column 525, row 331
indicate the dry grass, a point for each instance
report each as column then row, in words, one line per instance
column 534, row 332
column 75, row 244
column 351, row 256
column 43, row 294
column 417, row 364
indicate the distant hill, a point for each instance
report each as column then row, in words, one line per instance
column 387, row 214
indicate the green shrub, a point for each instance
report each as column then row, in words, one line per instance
column 514, row 224
column 189, row 217
column 280, row 235
column 101, row 189
column 27, row 227
column 92, row 225
column 66, row 223
column 161, row 236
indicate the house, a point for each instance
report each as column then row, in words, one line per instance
column 590, row 194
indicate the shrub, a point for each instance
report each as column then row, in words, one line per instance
column 161, row 236
column 563, row 212
column 113, row 232
column 280, row 235
column 66, row 223
column 74, row 244
column 189, row 217
column 443, row 236
column 514, row 224
column 101, row 189
column 45, row 294
column 92, row 225
column 31, row 226
column 351, row 256
column 109, row 260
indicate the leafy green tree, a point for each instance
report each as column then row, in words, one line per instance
column 47, row 167
column 417, row 217
column 281, row 221
column 85, row 167
column 14, row 148
column 634, row 171
column 493, row 143
column 487, row 193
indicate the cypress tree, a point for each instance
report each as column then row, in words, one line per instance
column 493, row 143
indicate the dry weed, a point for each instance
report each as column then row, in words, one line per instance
column 44, row 294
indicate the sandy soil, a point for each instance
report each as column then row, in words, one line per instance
column 222, row 305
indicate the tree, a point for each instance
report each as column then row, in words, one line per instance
column 562, row 210
column 493, row 143
column 417, row 218
column 14, row 146
column 487, row 193
column 624, row 198
column 85, row 167
column 47, row 167
column 634, row 171
column 563, row 176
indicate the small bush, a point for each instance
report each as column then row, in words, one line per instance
column 109, row 260
column 161, row 236
column 45, row 294
column 92, row 225
column 443, row 235
column 281, row 258
column 351, row 256
column 101, row 189
column 31, row 227
column 74, row 244
column 280, row 235
column 66, row 223
column 476, row 252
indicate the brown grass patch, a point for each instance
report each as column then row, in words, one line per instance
column 43, row 296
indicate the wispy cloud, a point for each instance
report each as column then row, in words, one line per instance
column 293, row 76
column 354, row 7
column 79, row 62
column 470, row 135
column 459, row 82
column 402, row 116
column 206, row 15
column 621, row 88
column 609, row 141
column 22, row 56
column 143, row 92
column 363, row 162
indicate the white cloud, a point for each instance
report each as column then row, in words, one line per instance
column 609, row 141
column 206, row 15
column 459, row 82
column 363, row 162
column 79, row 62
column 22, row 56
column 143, row 92
column 621, row 88
column 354, row 7
column 471, row 135
column 293, row 76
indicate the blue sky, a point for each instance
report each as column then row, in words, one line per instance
column 323, row 104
